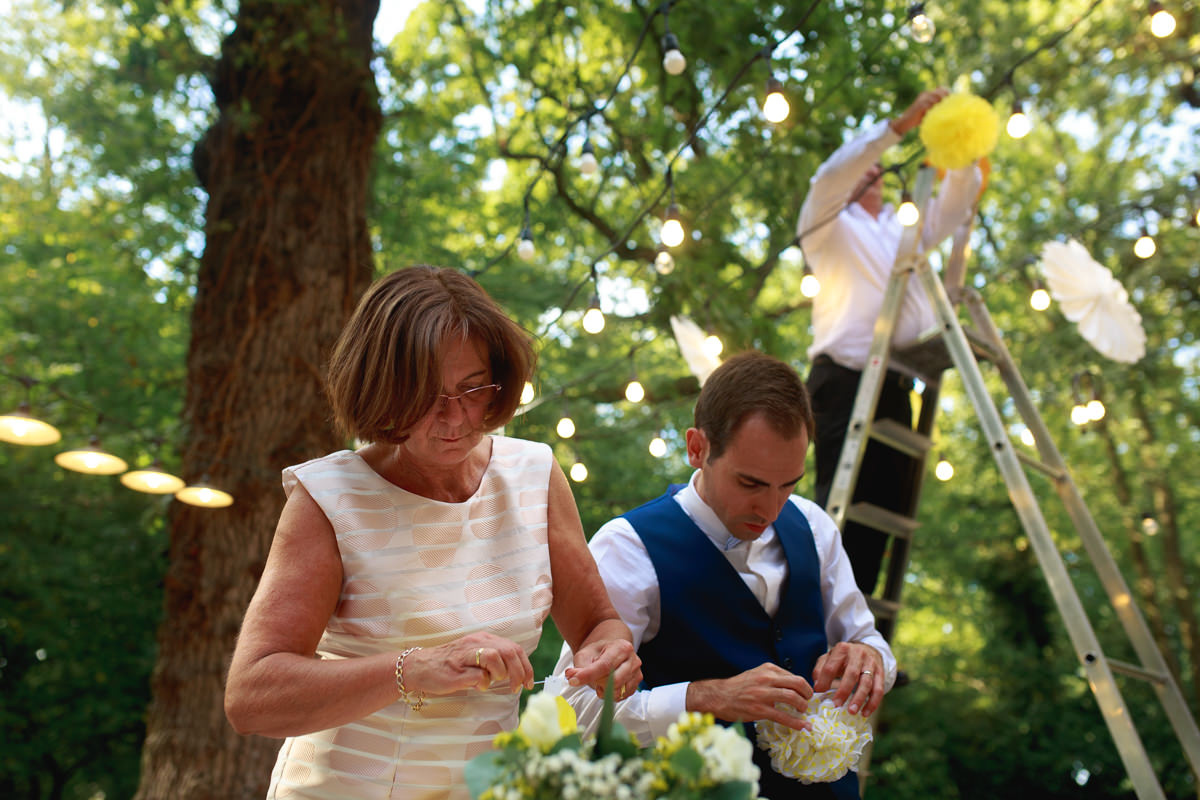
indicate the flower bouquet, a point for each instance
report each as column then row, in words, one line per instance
column 547, row 758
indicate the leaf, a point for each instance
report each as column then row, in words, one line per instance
column 484, row 771
column 733, row 790
column 687, row 763
column 572, row 741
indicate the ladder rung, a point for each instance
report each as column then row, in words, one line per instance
column 899, row 437
column 888, row 609
column 1045, row 469
column 1134, row 671
column 881, row 519
column 928, row 357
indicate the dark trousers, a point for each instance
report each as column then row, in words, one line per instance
column 886, row 478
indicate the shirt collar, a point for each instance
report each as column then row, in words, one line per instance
column 709, row 524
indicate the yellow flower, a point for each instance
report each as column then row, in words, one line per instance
column 959, row 130
column 568, row 723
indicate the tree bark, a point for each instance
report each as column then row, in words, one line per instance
column 286, row 167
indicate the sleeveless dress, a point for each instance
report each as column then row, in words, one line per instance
column 419, row 572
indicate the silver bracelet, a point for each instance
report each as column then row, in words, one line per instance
column 406, row 695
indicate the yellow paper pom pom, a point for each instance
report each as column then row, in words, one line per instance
column 821, row 755
column 959, row 130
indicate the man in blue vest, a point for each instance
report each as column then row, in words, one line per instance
column 738, row 592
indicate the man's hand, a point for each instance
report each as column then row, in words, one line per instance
column 857, row 669
column 752, row 696
column 913, row 115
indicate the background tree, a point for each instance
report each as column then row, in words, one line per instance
column 486, row 106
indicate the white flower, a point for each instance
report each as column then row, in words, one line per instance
column 539, row 721
column 727, row 754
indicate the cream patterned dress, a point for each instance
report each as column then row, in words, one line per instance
column 419, row 572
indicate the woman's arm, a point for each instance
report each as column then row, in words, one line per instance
column 582, row 610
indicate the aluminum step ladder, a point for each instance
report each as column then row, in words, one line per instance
column 952, row 345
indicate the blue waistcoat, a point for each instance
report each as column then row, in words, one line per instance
column 712, row 625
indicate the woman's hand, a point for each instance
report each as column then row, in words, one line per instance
column 596, row 660
column 476, row 661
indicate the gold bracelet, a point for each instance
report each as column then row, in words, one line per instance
column 406, row 695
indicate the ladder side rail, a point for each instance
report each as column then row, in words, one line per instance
column 870, row 385
column 1134, row 623
column 1087, row 647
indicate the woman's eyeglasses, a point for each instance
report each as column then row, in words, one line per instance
column 471, row 399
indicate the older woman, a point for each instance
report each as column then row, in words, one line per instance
column 408, row 580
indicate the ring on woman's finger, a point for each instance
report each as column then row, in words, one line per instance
column 867, row 672
column 478, row 653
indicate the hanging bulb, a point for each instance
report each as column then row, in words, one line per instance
column 152, row 480
column 527, row 394
column 565, row 427
column 672, row 229
column 204, row 495
column 21, row 427
column 1027, row 437
column 593, row 318
column 1040, row 299
column 634, row 391
column 579, row 472
column 664, row 262
column 1144, row 247
column 1149, row 524
column 944, row 470
column 91, row 460
column 673, row 61
column 712, row 346
column 809, row 285
column 775, row 106
column 1162, row 23
column 1019, row 125
column 587, row 159
column 920, row 26
column 1196, row 218
column 1095, row 410
column 907, row 213
column 1080, row 415
column 525, row 248
column 658, row 447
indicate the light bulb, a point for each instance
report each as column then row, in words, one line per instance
column 1149, row 524
column 204, row 496
column 527, row 394
column 1040, row 299
column 664, row 262
column 712, row 346
column 1161, row 22
column 587, row 160
column 944, row 470
column 91, row 460
column 20, row 427
column 775, row 106
column 565, row 427
column 634, row 392
column 1019, row 125
column 1196, row 218
column 152, row 480
column 525, row 248
column 1144, row 247
column 658, row 447
column 1095, row 410
column 1080, row 415
column 579, row 472
column 922, row 28
column 809, row 285
column 1027, row 438
column 593, row 320
column 908, row 213
column 673, row 61
column 672, row 229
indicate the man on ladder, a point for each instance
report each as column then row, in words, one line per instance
column 850, row 240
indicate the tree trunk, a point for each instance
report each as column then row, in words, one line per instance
column 286, row 168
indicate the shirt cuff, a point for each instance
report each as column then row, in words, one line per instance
column 664, row 707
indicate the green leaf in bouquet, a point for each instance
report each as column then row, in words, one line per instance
column 687, row 763
column 611, row 736
column 731, row 790
column 572, row 741
column 484, row 771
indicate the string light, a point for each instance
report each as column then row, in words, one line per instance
column 1162, row 23
column 712, row 346
column 673, row 61
column 203, row 495
column 672, row 228
column 944, row 470
column 527, row 394
column 1027, row 438
column 587, row 158
column 775, row 106
column 1144, row 247
column 579, row 472
column 525, row 248
column 593, row 318
column 1090, row 410
column 920, row 26
column 152, row 480
column 1019, row 125
column 658, row 447
column 810, row 287
column 565, row 427
column 634, row 391
column 21, row 427
column 1149, row 524
column 1039, row 300
column 907, row 213
column 664, row 262
column 92, row 460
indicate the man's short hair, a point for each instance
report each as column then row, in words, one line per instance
column 385, row 373
column 750, row 383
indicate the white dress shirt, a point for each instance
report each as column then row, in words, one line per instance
column 632, row 584
column 852, row 253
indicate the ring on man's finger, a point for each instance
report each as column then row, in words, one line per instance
column 478, row 653
column 867, row 672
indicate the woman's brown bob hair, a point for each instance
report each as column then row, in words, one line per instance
column 385, row 373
